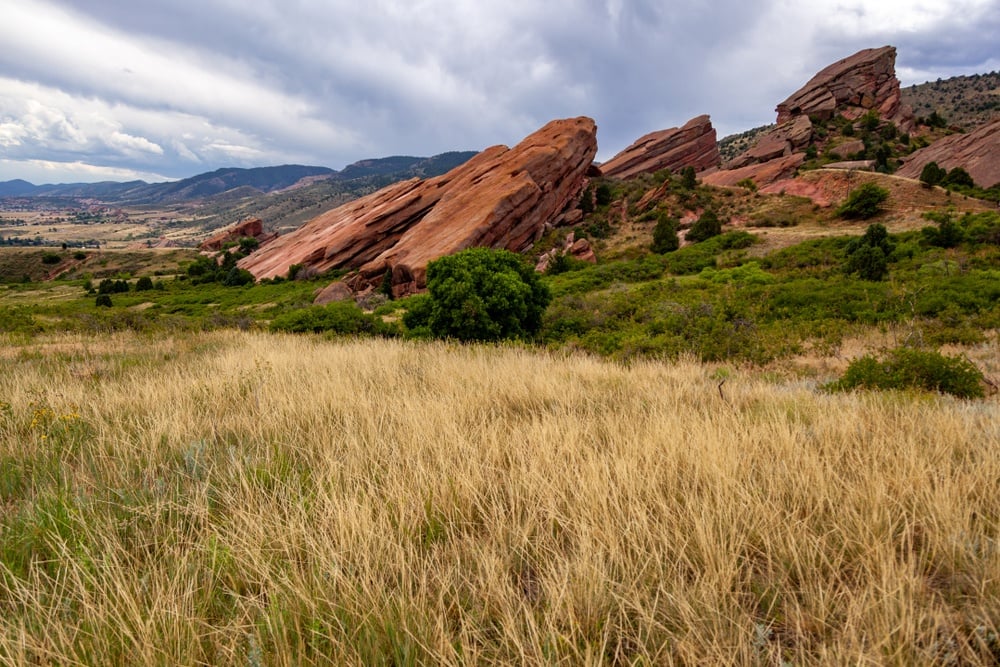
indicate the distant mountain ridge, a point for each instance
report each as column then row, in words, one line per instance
column 237, row 182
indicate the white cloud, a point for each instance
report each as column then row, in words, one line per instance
column 48, row 171
column 130, row 143
column 171, row 86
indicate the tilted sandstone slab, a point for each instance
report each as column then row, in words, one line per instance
column 977, row 152
column 762, row 174
column 251, row 227
column 693, row 145
column 852, row 86
column 501, row 198
column 782, row 141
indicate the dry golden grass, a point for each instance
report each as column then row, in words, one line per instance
column 239, row 498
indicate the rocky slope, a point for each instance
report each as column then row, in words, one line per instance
column 851, row 87
column 501, row 198
column 977, row 152
column 693, row 145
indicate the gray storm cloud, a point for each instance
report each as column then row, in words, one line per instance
column 174, row 88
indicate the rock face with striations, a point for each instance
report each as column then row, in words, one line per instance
column 977, row 152
column 501, row 198
column 851, row 87
column 693, row 145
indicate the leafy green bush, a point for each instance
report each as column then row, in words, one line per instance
column 864, row 202
column 958, row 177
column 932, row 174
column 51, row 258
column 109, row 286
column 485, row 295
column 908, row 368
column 665, row 237
column 237, row 277
column 564, row 262
column 143, row 284
column 707, row 226
column 603, row 195
column 339, row 317
column 689, row 179
column 948, row 234
column 868, row 255
column 748, row 274
column 103, row 301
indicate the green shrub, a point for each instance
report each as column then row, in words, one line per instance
column 868, row 255
column 948, row 234
column 932, row 174
column 339, row 317
column 707, row 226
column 735, row 240
column 864, row 202
column 237, row 277
column 485, row 295
column 908, row 368
column 689, row 179
column 143, row 284
column 602, row 195
column 958, row 177
column 79, row 255
column 103, row 301
column 51, row 258
column 563, row 263
column 248, row 244
column 665, row 237
column 109, row 286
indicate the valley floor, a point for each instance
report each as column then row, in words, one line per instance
column 247, row 498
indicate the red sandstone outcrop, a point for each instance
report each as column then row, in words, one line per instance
column 977, row 152
column 789, row 137
column 336, row 291
column 762, row 174
column 693, row 145
column 852, row 87
column 502, row 198
column 251, row 227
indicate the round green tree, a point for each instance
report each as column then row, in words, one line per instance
column 484, row 295
column 707, row 226
column 864, row 202
column 932, row 174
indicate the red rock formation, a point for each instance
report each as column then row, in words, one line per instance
column 502, row 198
column 848, row 148
column 782, row 141
column 762, row 174
column 693, row 145
column 251, row 227
column 977, row 152
column 336, row 291
column 852, row 86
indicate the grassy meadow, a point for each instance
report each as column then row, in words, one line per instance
column 246, row 498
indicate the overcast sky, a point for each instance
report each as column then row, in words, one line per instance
column 162, row 89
